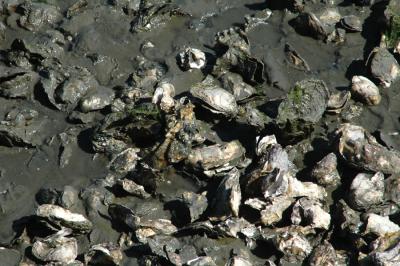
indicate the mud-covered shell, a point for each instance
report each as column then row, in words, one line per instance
column 215, row 98
column 361, row 150
column 65, row 218
column 383, row 66
column 306, row 101
column 308, row 24
column 337, row 102
column 365, row 90
column 215, row 156
column 351, row 23
column 56, row 248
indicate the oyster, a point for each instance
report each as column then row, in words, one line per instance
column 365, row 90
column 125, row 161
column 228, row 196
column 308, row 24
column 310, row 212
column 361, row 150
column 337, row 102
column 283, row 183
column 64, row 218
column 367, row 190
column 37, row 14
column 104, row 254
column 294, row 245
column 191, row 58
column 325, row 171
column 216, row 156
column 323, row 254
column 163, row 96
column 380, row 225
column 56, row 248
column 18, row 85
column 133, row 188
column 304, row 106
column 273, row 212
column 295, row 59
column 383, row 66
column 351, row 23
column 234, row 83
column 154, row 14
column 191, row 206
column 214, row 98
column 96, row 100
column 388, row 257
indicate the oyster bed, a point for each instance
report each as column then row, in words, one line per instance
column 187, row 132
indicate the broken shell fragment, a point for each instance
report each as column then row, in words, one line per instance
column 191, row 58
column 65, row 218
column 337, row 102
column 365, row 90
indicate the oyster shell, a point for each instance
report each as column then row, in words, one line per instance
column 62, row 217
column 351, row 23
column 214, row 98
column 325, row 171
column 380, row 225
column 308, row 24
column 367, row 190
column 310, row 212
column 383, row 66
column 361, row 150
column 294, row 246
column 104, row 254
column 56, row 248
column 304, row 106
column 163, row 96
column 191, row 58
column 234, row 83
column 216, row 156
column 133, row 188
column 338, row 101
column 273, row 212
column 228, row 196
column 323, row 254
column 365, row 90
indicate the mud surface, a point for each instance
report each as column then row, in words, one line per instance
column 103, row 28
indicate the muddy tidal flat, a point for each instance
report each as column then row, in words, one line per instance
column 199, row 132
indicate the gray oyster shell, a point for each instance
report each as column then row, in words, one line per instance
column 304, row 106
column 215, row 98
column 104, row 254
column 365, row 90
column 65, row 218
column 383, row 66
column 325, row 171
column 56, row 248
column 361, row 150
